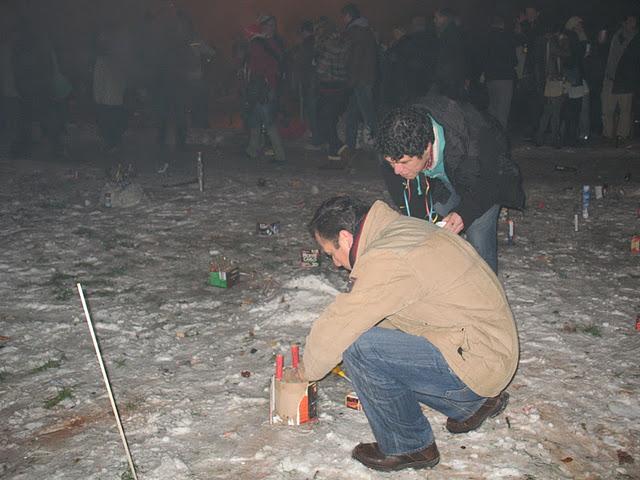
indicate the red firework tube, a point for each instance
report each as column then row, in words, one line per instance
column 279, row 366
column 295, row 355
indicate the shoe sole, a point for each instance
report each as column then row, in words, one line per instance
column 414, row 465
column 503, row 404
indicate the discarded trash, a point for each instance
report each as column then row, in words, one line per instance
column 510, row 232
column 310, row 258
column 586, row 196
column 222, row 273
column 575, row 222
column 245, row 373
column 599, row 192
column 268, row 229
column 107, row 200
column 635, row 244
column 200, row 169
column 541, row 205
column 638, row 323
column 564, row 168
column 352, row 401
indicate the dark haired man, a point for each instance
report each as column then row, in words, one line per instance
column 445, row 158
column 426, row 321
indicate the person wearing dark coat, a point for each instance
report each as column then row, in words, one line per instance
column 451, row 65
column 445, row 158
column 622, row 76
column 362, row 67
column 499, row 70
column 33, row 61
column 595, row 65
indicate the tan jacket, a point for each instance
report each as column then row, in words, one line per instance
column 425, row 281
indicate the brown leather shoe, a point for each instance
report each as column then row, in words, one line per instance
column 492, row 407
column 370, row 455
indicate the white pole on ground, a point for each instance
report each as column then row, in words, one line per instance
column 106, row 382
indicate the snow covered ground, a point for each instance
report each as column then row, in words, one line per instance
column 175, row 347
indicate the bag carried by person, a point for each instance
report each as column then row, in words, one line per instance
column 554, row 87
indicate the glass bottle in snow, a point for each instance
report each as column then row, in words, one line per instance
column 200, row 169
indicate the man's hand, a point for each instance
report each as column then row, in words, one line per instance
column 453, row 223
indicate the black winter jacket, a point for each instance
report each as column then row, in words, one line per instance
column 477, row 161
column 628, row 71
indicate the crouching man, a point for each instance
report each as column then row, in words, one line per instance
column 425, row 321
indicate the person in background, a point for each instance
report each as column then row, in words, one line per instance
column 499, row 70
column 577, row 89
column 362, row 68
column 556, row 51
column 110, row 80
column 394, row 70
column 34, row 65
column 595, row 65
column 331, row 74
column 421, row 61
column 304, row 67
column 265, row 70
column 451, row 65
column 531, row 87
column 446, row 159
column 200, row 55
column 622, row 77
column 167, row 59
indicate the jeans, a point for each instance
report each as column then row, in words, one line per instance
column 500, row 93
column 483, row 236
column 112, row 122
column 550, row 115
column 263, row 114
column 392, row 373
column 360, row 103
column 330, row 106
column 482, row 233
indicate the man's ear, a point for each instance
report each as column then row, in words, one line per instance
column 345, row 238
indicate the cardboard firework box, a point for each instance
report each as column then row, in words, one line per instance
column 222, row 273
column 291, row 402
column 310, row 258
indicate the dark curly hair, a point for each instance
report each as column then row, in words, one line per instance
column 404, row 131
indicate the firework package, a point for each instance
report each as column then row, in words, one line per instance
column 291, row 401
column 310, row 258
column 222, row 273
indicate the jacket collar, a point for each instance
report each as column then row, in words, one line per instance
column 353, row 252
column 380, row 215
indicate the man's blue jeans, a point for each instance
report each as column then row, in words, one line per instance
column 392, row 373
column 360, row 104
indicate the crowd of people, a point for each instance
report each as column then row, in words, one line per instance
column 566, row 85
column 158, row 60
